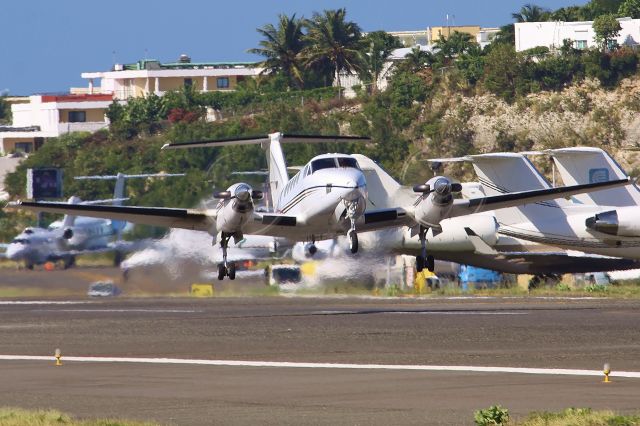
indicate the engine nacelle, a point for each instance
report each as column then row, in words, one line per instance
column 236, row 209
column 436, row 200
column 623, row 222
column 454, row 236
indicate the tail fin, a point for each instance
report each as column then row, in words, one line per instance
column 278, row 176
column 384, row 191
column 500, row 173
column 68, row 219
column 588, row 165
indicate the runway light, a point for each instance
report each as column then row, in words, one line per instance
column 58, row 355
column 607, row 371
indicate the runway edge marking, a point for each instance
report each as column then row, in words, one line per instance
column 278, row 364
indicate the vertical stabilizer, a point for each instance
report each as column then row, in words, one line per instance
column 588, row 165
column 384, row 191
column 508, row 172
column 278, row 176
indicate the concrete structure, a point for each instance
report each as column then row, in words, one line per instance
column 436, row 33
column 581, row 34
column 46, row 116
column 151, row 76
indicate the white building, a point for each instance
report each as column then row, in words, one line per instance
column 47, row 116
column 150, row 76
column 552, row 34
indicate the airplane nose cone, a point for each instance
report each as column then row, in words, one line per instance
column 15, row 252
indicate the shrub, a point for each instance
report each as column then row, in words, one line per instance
column 494, row 415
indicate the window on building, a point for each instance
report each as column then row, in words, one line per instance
column 581, row 44
column 188, row 82
column 24, row 147
column 77, row 116
column 222, row 82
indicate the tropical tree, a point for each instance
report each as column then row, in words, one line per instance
column 607, row 29
column 5, row 110
column 377, row 46
column 567, row 14
column 282, row 46
column 531, row 13
column 595, row 8
column 630, row 8
column 417, row 60
column 454, row 45
column 334, row 42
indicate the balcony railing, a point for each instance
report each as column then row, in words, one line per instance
column 90, row 126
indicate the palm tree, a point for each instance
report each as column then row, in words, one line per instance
column 531, row 13
column 332, row 40
column 282, row 46
column 418, row 59
column 454, row 45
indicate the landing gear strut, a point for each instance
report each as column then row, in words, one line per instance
column 353, row 236
column 225, row 268
column 424, row 260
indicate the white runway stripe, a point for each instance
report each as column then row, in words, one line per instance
column 276, row 364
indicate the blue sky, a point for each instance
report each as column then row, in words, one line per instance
column 47, row 44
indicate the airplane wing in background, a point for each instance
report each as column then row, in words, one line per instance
column 514, row 199
column 200, row 220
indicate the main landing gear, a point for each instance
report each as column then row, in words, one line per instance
column 424, row 260
column 225, row 268
column 353, row 236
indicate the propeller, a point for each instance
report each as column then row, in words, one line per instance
column 241, row 193
column 441, row 186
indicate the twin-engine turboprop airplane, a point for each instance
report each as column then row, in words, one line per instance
column 326, row 198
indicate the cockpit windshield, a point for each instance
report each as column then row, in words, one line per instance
column 20, row 241
column 333, row 162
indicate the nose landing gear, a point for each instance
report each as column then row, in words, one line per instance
column 424, row 260
column 225, row 268
column 353, row 236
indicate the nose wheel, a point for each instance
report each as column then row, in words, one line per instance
column 424, row 260
column 353, row 241
column 226, row 269
column 352, row 234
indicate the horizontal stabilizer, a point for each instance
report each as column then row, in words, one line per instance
column 263, row 139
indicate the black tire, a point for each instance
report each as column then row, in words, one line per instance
column 431, row 262
column 353, row 242
column 232, row 271
column 419, row 263
column 222, row 271
column 117, row 258
column 29, row 266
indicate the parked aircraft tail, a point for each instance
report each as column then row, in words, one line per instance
column 587, row 165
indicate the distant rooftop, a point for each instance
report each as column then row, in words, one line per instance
column 183, row 63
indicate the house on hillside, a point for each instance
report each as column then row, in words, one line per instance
column 552, row 34
column 148, row 76
column 48, row 116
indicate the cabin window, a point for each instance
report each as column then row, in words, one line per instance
column 222, row 82
column 323, row 163
column 347, row 162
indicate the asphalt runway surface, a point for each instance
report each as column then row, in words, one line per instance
column 499, row 332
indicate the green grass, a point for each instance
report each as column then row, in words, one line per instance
column 579, row 417
column 19, row 417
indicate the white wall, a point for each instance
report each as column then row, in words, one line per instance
column 552, row 34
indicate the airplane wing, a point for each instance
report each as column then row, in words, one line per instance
column 373, row 220
column 200, row 220
column 514, row 199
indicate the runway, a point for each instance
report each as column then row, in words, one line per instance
column 250, row 341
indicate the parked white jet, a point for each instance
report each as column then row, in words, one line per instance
column 326, row 198
column 591, row 228
column 64, row 240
